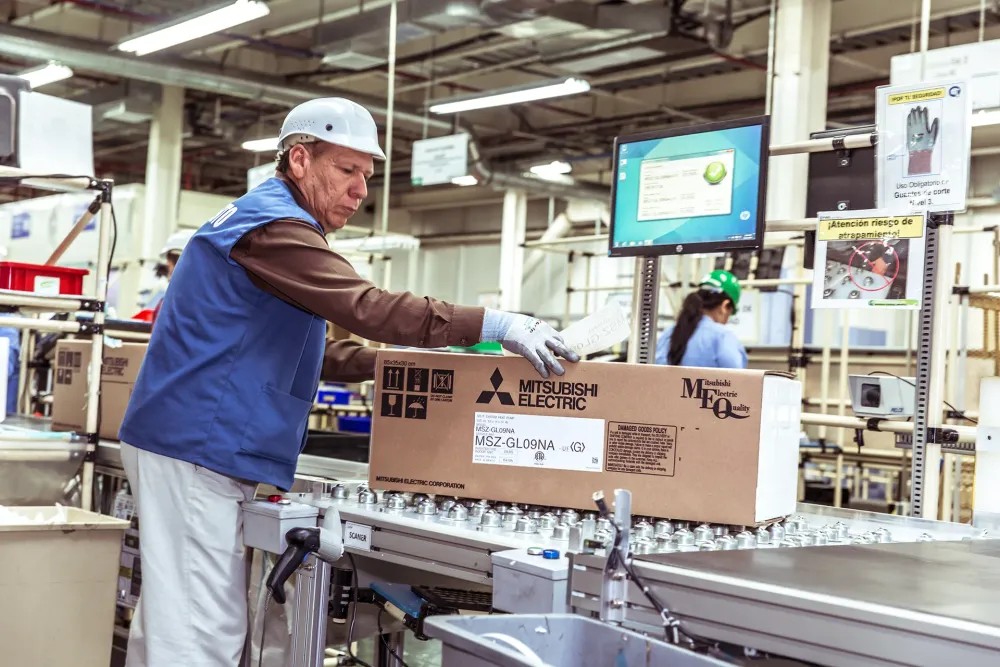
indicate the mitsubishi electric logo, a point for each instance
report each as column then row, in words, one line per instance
column 717, row 396
column 504, row 397
column 544, row 394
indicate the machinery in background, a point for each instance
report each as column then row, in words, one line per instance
column 882, row 396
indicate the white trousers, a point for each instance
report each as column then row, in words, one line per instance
column 192, row 608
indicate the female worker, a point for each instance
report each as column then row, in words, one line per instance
column 699, row 337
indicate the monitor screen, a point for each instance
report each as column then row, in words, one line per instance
column 692, row 190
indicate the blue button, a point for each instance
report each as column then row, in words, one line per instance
column 550, row 554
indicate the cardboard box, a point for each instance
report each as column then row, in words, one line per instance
column 69, row 395
column 689, row 443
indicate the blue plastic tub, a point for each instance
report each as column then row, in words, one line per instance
column 354, row 424
column 333, row 396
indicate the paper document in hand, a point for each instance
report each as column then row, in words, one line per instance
column 599, row 331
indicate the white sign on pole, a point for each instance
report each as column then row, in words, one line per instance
column 924, row 137
column 259, row 174
column 976, row 62
column 868, row 259
column 439, row 160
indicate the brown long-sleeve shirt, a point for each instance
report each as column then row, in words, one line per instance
column 290, row 259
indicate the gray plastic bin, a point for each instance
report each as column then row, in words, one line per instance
column 559, row 640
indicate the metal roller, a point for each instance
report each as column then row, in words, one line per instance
column 663, row 527
column 683, row 537
column 746, row 540
column 458, row 513
column 727, row 543
column 490, row 519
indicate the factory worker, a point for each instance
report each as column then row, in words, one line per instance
column 169, row 256
column 699, row 336
column 172, row 250
column 223, row 397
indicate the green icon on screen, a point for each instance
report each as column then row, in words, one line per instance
column 715, row 172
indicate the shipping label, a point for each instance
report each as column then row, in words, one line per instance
column 535, row 441
column 642, row 449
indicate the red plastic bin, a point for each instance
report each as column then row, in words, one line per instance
column 24, row 277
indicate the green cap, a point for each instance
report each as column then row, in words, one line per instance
column 723, row 281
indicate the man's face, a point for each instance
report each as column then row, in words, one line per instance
column 333, row 180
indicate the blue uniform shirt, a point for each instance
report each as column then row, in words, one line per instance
column 711, row 345
column 231, row 371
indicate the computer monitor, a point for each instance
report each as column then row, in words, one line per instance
column 691, row 190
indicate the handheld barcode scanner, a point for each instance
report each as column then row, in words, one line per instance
column 326, row 541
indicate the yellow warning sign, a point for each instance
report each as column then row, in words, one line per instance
column 917, row 96
column 891, row 227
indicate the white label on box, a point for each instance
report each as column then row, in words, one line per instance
column 357, row 536
column 46, row 285
column 536, row 441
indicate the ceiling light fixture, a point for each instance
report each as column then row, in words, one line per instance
column 261, row 145
column 195, row 26
column 531, row 93
column 555, row 168
column 465, row 181
column 45, row 74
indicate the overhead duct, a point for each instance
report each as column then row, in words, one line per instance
column 125, row 102
column 607, row 35
column 361, row 41
column 19, row 42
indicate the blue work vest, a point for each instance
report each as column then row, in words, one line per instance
column 231, row 372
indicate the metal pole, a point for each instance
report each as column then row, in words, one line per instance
column 645, row 302
column 930, row 384
column 772, row 31
column 925, row 34
column 93, row 417
column 569, row 289
column 845, row 346
column 966, row 434
column 982, row 20
column 825, row 381
column 23, row 382
column 390, row 103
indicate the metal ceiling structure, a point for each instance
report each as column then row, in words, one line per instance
column 649, row 64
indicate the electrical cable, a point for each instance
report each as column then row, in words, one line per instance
column 671, row 624
column 381, row 635
column 354, row 613
column 114, row 243
column 960, row 413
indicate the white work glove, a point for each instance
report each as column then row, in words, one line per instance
column 529, row 337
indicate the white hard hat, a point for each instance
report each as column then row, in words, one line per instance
column 333, row 120
column 176, row 242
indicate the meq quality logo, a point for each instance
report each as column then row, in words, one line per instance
column 714, row 395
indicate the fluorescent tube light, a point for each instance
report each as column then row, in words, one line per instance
column 195, row 27
column 508, row 96
column 46, row 74
column 556, row 168
column 261, row 145
column 465, row 181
